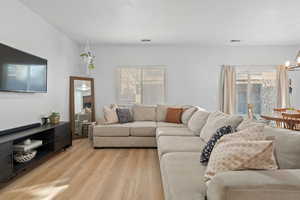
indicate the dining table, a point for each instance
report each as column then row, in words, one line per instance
column 280, row 121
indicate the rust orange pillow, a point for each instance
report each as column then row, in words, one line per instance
column 174, row 115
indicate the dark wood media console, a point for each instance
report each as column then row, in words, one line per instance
column 55, row 138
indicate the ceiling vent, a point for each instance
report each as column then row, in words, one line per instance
column 235, row 41
column 145, row 40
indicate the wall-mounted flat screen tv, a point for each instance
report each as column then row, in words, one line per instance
column 22, row 72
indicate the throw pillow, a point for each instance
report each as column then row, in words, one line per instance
column 110, row 115
column 251, row 133
column 240, row 154
column 124, row 115
column 249, row 123
column 217, row 120
column 161, row 111
column 204, row 158
column 197, row 121
column 187, row 114
column 174, row 115
column 246, row 149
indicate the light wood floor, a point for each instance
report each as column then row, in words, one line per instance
column 82, row 172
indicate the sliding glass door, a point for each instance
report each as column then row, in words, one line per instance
column 256, row 88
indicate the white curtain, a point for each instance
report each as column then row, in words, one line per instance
column 227, row 93
column 283, row 100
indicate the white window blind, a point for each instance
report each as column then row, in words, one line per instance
column 144, row 85
column 257, row 88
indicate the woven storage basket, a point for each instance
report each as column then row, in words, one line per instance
column 24, row 157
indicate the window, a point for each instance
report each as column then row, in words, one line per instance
column 257, row 88
column 144, row 85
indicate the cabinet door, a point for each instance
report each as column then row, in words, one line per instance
column 62, row 136
column 6, row 161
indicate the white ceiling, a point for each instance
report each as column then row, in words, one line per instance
column 204, row 22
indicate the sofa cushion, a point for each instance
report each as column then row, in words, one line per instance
column 143, row 129
column 167, row 144
column 173, row 131
column 217, row 120
column 112, row 130
column 182, row 176
column 166, row 124
column 287, row 147
column 255, row 184
column 197, row 121
column 144, row 113
column 161, row 112
column 187, row 114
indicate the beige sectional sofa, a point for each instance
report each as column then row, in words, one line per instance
column 182, row 174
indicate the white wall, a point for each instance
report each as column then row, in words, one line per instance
column 192, row 72
column 24, row 30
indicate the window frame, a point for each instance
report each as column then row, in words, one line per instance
column 141, row 68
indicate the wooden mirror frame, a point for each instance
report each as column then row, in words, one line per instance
column 72, row 101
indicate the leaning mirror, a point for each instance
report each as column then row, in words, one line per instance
column 82, row 108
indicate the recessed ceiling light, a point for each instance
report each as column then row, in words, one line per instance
column 145, row 40
column 233, row 41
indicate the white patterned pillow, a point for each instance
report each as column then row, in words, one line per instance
column 110, row 114
column 251, row 133
column 240, row 151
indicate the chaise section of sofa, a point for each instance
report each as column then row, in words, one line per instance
column 181, row 176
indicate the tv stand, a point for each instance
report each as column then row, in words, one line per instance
column 55, row 138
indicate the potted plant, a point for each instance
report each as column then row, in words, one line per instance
column 88, row 58
column 54, row 118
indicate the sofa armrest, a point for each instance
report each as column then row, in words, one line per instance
column 255, row 184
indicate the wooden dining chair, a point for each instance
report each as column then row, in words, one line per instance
column 280, row 123
column 291, row 121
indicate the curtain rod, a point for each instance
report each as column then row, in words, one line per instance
column 296, row 68
column 251, row 65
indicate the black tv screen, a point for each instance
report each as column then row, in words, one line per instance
column 22, row 72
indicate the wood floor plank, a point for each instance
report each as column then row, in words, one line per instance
column 82, row 172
